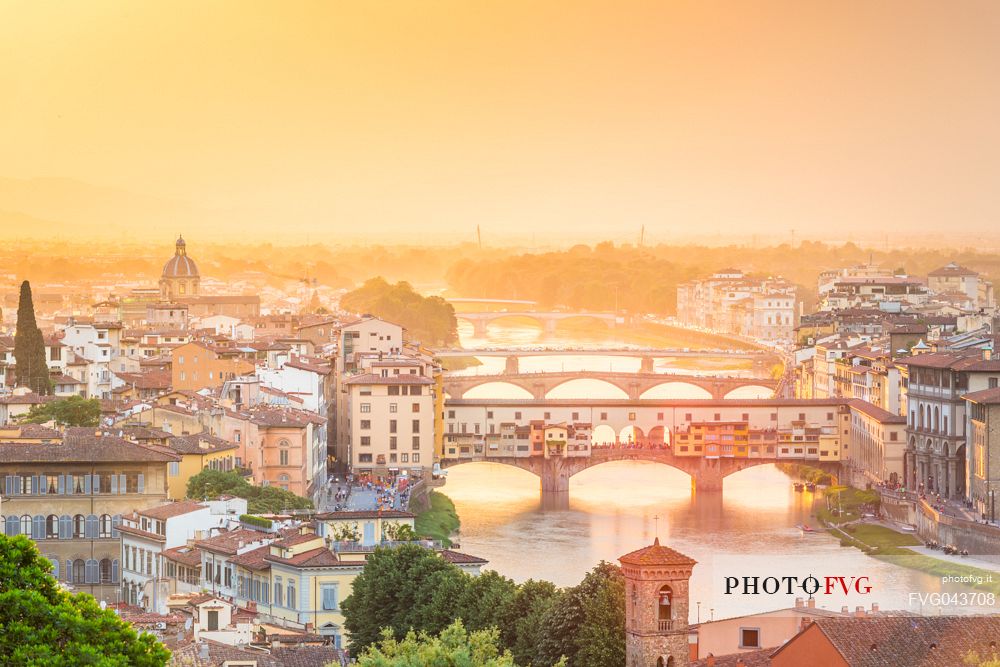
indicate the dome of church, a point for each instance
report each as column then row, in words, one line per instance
column 180, row 265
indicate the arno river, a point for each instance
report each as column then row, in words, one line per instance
column 747, row 530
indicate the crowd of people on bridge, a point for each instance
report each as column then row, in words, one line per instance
column 629, row 444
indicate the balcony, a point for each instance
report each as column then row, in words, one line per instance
column 664, row 625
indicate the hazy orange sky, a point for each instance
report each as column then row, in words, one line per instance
column 567, row 119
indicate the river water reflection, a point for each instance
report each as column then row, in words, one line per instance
column 747, row 530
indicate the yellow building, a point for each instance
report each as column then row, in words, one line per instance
column 198, row 452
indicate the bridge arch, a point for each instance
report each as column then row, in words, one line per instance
column 603, row 435
column 674, row 389
column 658, row 436
column 496, row 389
column 587, row 388
column 750, row 391
column 632, row 435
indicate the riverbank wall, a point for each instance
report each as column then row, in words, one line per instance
column 979, row 539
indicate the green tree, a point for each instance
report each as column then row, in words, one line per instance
column 403, row 588
column 71, row 411
column 576, row 618
column 43, row 626
column 32, row 370
column 211, row 484
column 429, row 319
column 521, row 630
column 454, row 647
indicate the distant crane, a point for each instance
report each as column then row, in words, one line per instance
column 642, row 235
column 479, row 237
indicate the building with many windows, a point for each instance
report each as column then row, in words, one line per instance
column 69, row 495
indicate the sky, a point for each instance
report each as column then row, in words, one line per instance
column 568, row 120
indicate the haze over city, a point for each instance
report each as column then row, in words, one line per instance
column 548, row 122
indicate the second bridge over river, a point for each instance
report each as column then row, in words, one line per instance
column 633, row 385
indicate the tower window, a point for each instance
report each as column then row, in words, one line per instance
column 749, row 637
column 665, row 614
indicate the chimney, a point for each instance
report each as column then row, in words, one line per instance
column 798, row 603
column 845, row 609
column 710, row 661
column 859, row 611
column 874, row 607
column 811, row 603
column 740, row 663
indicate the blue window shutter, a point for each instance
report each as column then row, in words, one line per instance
column 55, row 567
column 13, row 526
column 65, row 528
column 38, row 527
column 61, row 488
column 69, row 485
column 91, row 574
column 116, row 521
column 69, row 569
column 121, row 484
column 114, row 571
column 114, row 483
column 92, row 527
column 86, row 484
column 142, row 483
column 33, row 485
column 9, row 485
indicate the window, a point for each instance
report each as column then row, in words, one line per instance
column 416, row 407
column 749, row 637
column 364, row 458
column 283, row 457
column 329, row 592
column 174, row 468
column 26, row 525
column 416, row 442
column 79, row 571
column 366, row 408
column 52, row 527
column 366, row 424
column 291, row 595
column 405, row 458
column 394, row 407
column 517, row 415
column 79, row 526
column 416, row 426
column 278, row 589
column 416, row 457
column 392, row 442
column 392, row 426
column 366, row 440
column 107, row 524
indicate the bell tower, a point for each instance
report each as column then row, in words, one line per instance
column 656, row 606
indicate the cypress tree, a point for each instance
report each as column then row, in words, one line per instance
column 29, row 347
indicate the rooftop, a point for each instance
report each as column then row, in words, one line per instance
column 656, row 554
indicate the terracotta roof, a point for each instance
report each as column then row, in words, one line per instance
column 267, row 416
column 318, row 557
column 184, row 555
column 142, row 432
column 30, row 398
column 958, row 361
column 229, row 542
column 75, row 448
column 170, row 510
column 139, row 532
column 372, row 378
column 298, row 538
column 952, row 269
column 876, row 412
column 367, row 514
column 36, row 431
column 153, row 379
column 192, row 444
column 458, row 558
column 656, row 555
column 914, row 641
column 253, row 559
column 984, row 396
column 307, row 364
column 761, row 658
column 203, row 598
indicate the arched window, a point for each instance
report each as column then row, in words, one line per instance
column 52, row 527
column 105, row 570
column 283, row 478
column 665, row 611
column 79, row 525
column 26, row 524
column 284, row 443
column 79, row 571
column 937, row 419
column 106, row 525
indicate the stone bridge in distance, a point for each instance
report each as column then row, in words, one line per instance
column 633, row 384
column 706, row 473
